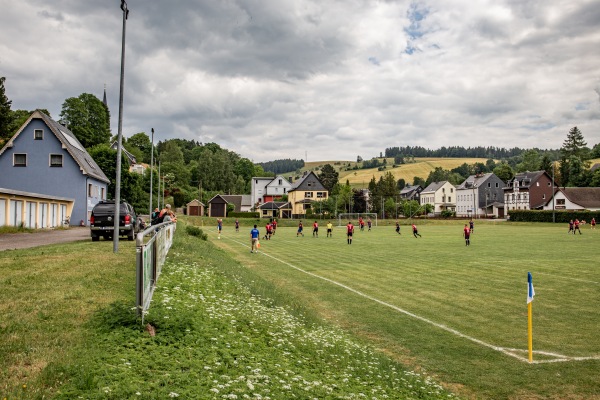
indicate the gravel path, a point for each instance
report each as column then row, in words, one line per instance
column 13, row 241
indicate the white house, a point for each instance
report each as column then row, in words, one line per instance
column 575, row 198
column 268, row 189
column 441, row 195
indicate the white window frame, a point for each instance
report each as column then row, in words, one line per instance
column 15, row 159
column 55, row 165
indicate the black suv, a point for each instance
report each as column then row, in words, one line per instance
column 102, row 222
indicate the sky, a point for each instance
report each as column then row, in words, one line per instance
column 316, row 80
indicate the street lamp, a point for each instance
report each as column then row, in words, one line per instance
column 553, row 215
column 151, row 174
column 120, row 135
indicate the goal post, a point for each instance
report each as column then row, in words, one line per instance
column 343, row 218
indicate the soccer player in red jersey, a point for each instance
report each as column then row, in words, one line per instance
column 467, row 235
column 349, row 231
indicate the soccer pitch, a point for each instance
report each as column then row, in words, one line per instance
column 458, row 312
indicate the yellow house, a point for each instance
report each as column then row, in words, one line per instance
column 304, row 192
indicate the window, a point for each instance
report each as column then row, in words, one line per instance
column 38, row 134
column 537, row 184
column 549, row 184
column 560, row 202
column 497, row 184
column 102, row 197
column 280, row 181
column 544, row 196
column 451, row 190
column 308, row 195
column 20, row 160
column 56, row 160
column 320, row 195
column 489, row 184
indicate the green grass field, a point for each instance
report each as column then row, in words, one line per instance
column 457, row 312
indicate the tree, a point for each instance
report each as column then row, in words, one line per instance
column 575, row 145
column 5, row 112
column 328, row 176
column 437, row 175
column 531, row 161
column 504, row 172
column 418, row 181
column 401, row 184
column 546, row 165
column 574, row 154
column 596, row 151
column 131, row 183
column 142, row 142
column 88, row 118
column 359, row 203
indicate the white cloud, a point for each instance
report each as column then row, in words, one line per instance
column 275, row 80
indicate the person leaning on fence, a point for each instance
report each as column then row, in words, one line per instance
column 166, row 214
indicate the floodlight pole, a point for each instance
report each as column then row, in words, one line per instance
column 151, row 175
column 553, row 214
column 120, row 135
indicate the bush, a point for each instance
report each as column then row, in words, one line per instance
column 195, row 231
column 447, row 214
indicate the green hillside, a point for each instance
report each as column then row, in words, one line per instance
column 360, row 178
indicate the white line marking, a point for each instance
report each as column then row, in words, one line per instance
column 505, row 350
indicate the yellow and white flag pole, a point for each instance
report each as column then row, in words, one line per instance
column 530, row 294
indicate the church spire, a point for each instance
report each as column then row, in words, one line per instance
column 104, row 99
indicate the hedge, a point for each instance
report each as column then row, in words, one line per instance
column 561, row 216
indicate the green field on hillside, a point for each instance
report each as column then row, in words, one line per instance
column 457, row 312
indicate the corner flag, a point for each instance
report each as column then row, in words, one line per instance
column 530, row 291
column 530, row 294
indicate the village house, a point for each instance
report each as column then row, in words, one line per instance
column 480, row 195
column 48, row 179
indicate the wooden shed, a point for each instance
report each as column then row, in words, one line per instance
column 195, row 207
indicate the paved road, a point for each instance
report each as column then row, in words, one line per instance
column 12, row 241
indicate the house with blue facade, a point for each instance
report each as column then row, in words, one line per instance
column 47, row 178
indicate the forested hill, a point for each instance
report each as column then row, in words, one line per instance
column 281, row 166
column 455, row 152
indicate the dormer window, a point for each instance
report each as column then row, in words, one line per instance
column 38, row 134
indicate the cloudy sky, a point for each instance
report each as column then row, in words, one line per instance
column 316, row 79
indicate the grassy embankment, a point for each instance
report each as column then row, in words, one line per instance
column 67, row 330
